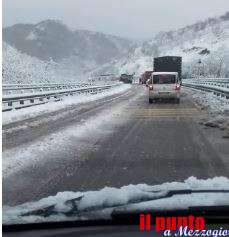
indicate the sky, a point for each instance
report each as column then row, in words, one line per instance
column 139, row 19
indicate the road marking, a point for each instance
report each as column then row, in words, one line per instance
column 165, row 112
column 166, row 116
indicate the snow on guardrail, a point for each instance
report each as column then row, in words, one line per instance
column 40, row 94
column 219, row 86
column 31, row 88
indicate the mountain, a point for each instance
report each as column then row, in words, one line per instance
column 79, row 52
column 206, row 42
column 52, row 39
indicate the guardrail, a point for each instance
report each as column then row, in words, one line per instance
column 219, row 86
column 44, row 94
column 31, row 88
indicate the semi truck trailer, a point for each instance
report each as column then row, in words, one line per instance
column 168, row 64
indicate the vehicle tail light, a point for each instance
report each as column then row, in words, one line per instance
column 177, row 87
column 151, row 87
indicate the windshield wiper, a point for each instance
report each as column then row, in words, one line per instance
column 212, row 215
column 119, row 214
column 151, row 196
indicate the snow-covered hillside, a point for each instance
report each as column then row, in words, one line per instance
column 206, row 41
column 80, row 49
column 21, row 68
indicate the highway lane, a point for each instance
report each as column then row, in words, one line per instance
column 25, row 131
column 136, row 142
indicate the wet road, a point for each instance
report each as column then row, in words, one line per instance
column 115, row 141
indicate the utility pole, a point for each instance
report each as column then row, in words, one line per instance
column 199, row 65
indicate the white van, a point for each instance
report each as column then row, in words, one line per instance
column 164, row 85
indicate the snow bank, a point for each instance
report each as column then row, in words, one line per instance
column 215, row 104
column 217, row 107
column 131, row 197
column 25, row 113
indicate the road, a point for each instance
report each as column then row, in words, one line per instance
column 115, row 141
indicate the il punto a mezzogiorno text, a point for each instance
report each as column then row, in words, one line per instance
column 180, row 226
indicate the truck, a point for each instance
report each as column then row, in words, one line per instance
column 145, row 76
column 165, row 81
column 168, row 64
column 126, row 78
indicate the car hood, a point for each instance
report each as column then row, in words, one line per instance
column 66, row 206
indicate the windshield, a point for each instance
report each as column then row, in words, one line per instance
column 108, row 108
column 164, row 79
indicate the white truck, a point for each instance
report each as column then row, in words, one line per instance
column 164, row 85
column 165, row 81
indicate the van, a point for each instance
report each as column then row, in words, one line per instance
column 164, row 85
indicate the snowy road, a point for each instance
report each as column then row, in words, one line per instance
column 114, row 141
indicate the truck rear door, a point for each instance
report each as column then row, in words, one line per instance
column 164, row 83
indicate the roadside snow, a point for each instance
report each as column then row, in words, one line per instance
column 111, row 199
column 215, row 104
column 31, row 112
column 217, row 107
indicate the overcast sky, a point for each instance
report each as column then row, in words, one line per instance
column 128, row 18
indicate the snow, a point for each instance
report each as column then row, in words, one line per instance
column 207, row 40
column 21, row 68
column 82, row 52
column 135, row 65
column 22, row 94
column 215, row 104
column 132, row 197
column 31, row 112
column 77, row 137
column 31, row 36
column 183, row 202
column 165, row 73
column 217, row 107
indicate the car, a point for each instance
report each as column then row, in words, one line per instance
column 164, row 85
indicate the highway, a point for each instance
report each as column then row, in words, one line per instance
column 115, row 141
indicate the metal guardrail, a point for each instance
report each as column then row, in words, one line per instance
column 31, row 88
column 31, row 97
column 219, row 86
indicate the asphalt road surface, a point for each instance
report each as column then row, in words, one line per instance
column 115, row 141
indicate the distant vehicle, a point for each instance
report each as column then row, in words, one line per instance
column 168, row 64
column 126, row 78
column 145, row 76
column 164, row 85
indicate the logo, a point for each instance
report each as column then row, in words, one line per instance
column 179, row 226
